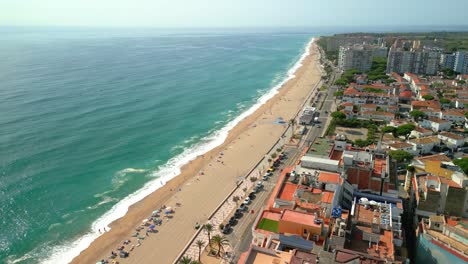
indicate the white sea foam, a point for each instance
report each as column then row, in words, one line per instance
column 66, row 253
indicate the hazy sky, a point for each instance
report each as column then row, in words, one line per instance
column 233, row 13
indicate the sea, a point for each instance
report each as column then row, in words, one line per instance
column 92, row 120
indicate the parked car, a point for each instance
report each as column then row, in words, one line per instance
column 246, row 201
column 243, row 207
column 259, row 184
column 238, row 213
column 271, row 169
column 232, row 220
column 226, row 229
column 252, row 195
column 265, row 178
column 268, row 174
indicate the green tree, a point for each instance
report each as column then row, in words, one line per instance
column 462, row 163
column 444, row 101
column 185, row 260
column 400, row 155
column 208, row 229
column 361, row 143
column 388, row 129
column 417, row 114
column 338, row 115
column 292, row 122
column 200, row 245
column 235, row 199
column 405, row 130
column 428, row 97
column 339, row 93
column 220, row 241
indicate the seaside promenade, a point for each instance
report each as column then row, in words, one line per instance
column 199, row 195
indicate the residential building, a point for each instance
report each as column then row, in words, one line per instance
column 451, row 140
column 377, row 115
column 453, row 116
column 418, row 105
column 436, row 124
column 352, row 95
column 442, row 240
column 447, row 61
column 424, row 145
column 425, row 61
column 334, row 43
column 355, row 57
column 420, row 132
column 461, row 62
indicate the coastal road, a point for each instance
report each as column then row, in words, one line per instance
column 241, row 231
column 241, row 236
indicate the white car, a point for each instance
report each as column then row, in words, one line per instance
column 268, row 174
column 259, row 184
column 246, row 201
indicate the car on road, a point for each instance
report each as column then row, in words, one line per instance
column 246, row 201
column 319, row 126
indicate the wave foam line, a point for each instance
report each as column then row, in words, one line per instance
column 66, row 253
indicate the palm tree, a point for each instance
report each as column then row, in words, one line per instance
column 199, row 244
column 292, row 122
column 185, row 260
column 208, row 229
column 220, row 241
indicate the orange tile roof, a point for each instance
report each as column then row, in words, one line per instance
column 377, row 113
column 329, row 177
column 298, row 217
column 453, row 113
column 287, row 192
column 437, row 120
column 431, row 104
column 451, row 135
column 327, row 197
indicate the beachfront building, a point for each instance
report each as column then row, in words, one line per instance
column 442, row 239
column 355, row 57
column 307, row 115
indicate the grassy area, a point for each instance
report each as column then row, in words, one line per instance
column 268, row 225
column 320, row 147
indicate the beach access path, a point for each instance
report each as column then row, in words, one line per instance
column 199, row 195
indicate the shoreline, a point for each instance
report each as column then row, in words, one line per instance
column 122, row 227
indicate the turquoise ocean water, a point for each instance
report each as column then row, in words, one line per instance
column 93, row 120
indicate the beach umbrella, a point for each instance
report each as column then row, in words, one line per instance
column 144, row 221
column 152, row 226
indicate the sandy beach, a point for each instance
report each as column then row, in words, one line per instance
column 199, row 195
